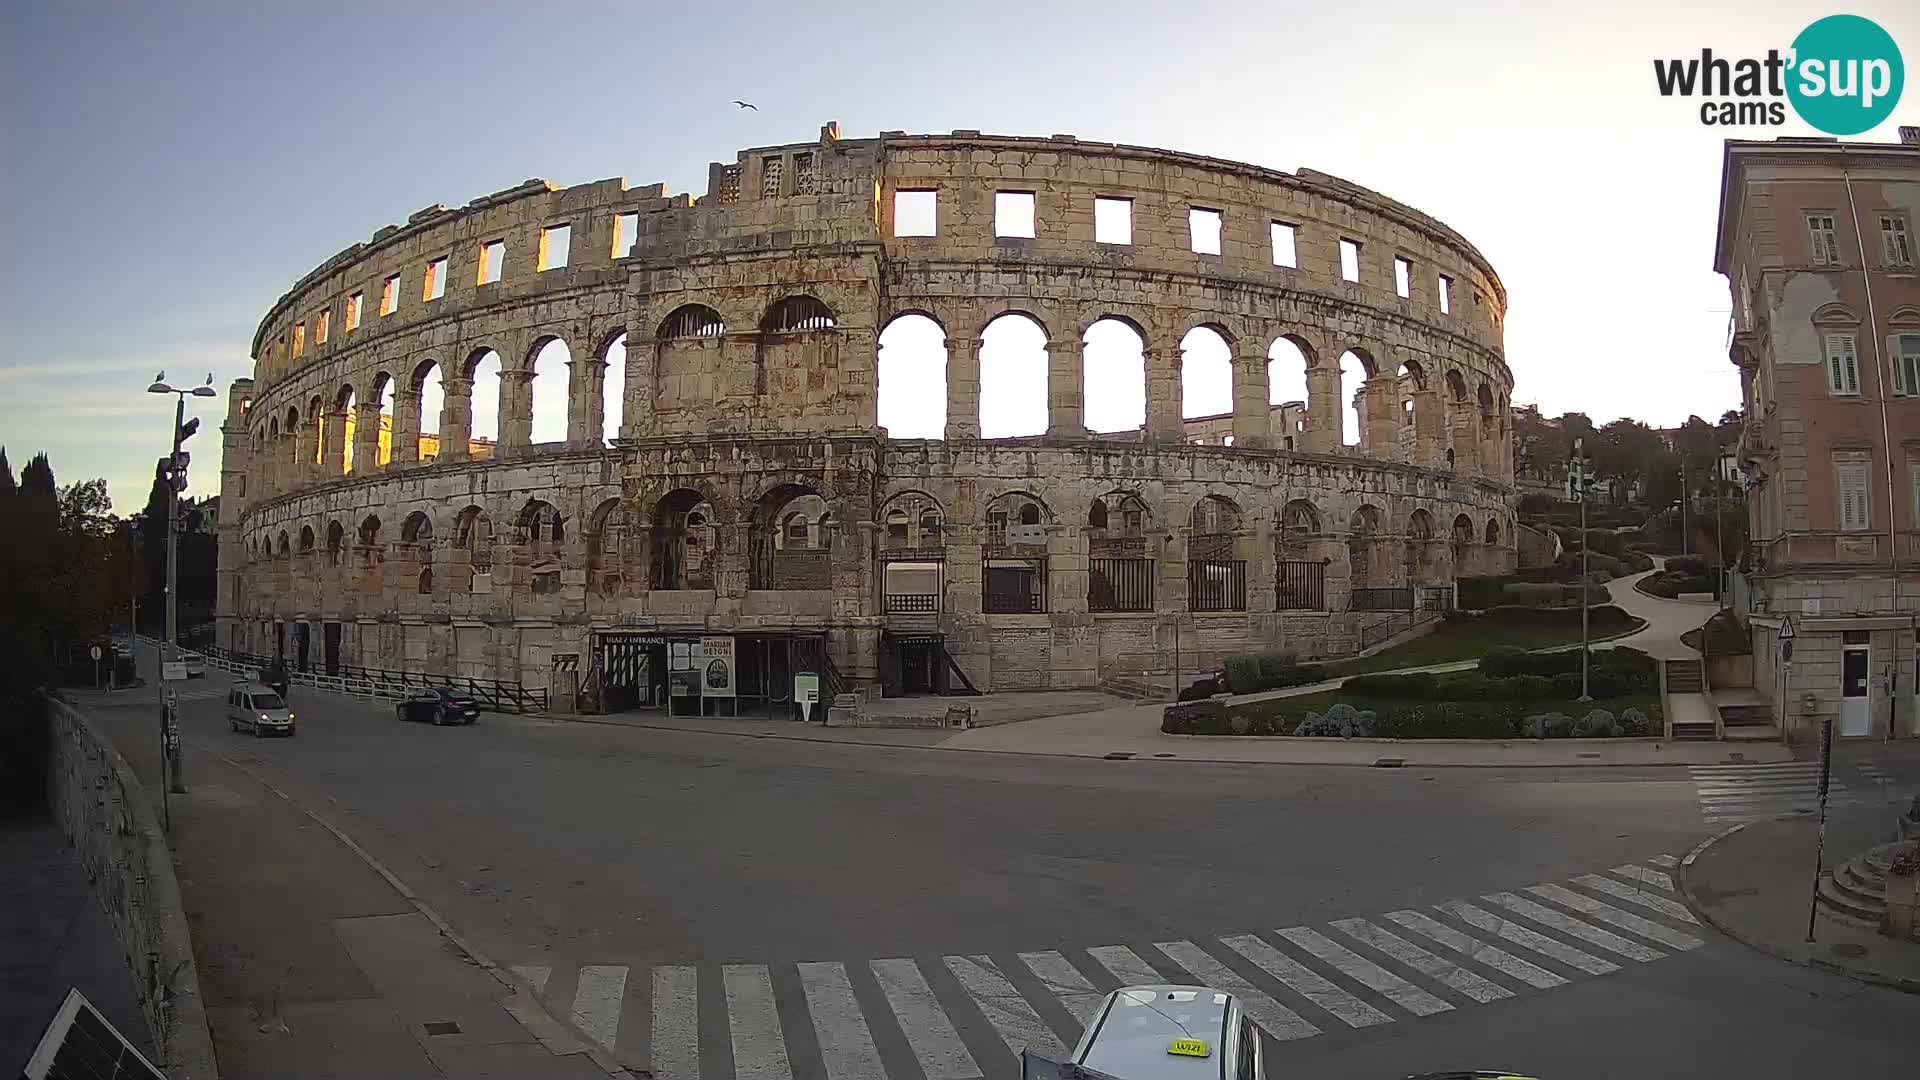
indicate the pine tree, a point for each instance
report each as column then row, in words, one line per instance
column 7, row 486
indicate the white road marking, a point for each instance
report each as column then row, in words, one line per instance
column 1667, row 861
column 1642, row 897
column 1645, row 876
column 1066, row 983
column 676, row 1023
column 1366, row 972
column 1519, row 935
column 846, row 1046
column 596, row 1002
column 1283, row 1023
column 759, row 1047
column 1499, row 960
column 1125, row 965
column 1611, row 942
column 1607, row 913
column 1406, row 952
column 536, row 975
column 1305, row 981
column 1019, row 1026
column 936, row 1045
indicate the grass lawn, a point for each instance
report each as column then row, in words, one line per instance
column 1463, row 641
column 1296, row 708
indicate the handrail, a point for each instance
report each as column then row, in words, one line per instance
column 491, row 695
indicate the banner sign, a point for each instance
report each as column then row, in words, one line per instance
column 716, row 667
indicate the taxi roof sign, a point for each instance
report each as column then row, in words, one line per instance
column 1189, row 1048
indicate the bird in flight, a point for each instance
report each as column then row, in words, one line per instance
column 747, row 105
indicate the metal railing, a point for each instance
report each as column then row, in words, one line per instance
column 1394, row 599
column 1014, row 590
column 912, row 603
column 1300, row 585
column 1120, row 584
column 1216, row 584
column 492, row 695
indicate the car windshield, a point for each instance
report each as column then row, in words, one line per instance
column 268, row 701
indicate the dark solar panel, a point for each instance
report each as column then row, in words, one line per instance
column 80, row 1045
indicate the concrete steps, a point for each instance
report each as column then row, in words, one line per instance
column 1855, row 892
column 1752, row 733
column 1744, row 715
column 1685, row 677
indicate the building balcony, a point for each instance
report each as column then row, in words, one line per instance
column 1830, row 550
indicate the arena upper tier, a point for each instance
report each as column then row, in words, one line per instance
column 749, row 490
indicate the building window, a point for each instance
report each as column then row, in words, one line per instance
column 299, row 339
column 1350, row 260
column 1855, row 507
column 772, row 170
column 1893, row 236
column 1203, row 230
column 1906, row 364
column 803, row 174
column 1843, row 366
column 1013, row 213
column 1402, row 276
column 1823, row 242
column 1112, row 220
column 435, row 285
column 1284, row 252
column 556, row 246
column 915, row 213
column 1446, row 295
column 626, row 233
column 354, row 304
column 320, row 324
column 389, row 295
column 493, row 259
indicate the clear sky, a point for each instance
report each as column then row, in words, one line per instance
column 169, row 169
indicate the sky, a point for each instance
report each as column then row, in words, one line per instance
column 168, row 170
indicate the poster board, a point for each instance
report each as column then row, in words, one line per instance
column 716, row 667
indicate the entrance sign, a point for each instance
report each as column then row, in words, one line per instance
column 806, row 694
column 716, row 667
column 173, row 670
column 680, row 656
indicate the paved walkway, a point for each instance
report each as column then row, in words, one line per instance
column 315, row 963
column 1666, row 619
column 1754, row 884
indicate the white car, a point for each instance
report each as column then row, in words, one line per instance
column 1162, row 1032
column 196, row 666
column 258, row 710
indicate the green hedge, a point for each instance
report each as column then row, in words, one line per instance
column 1621, row 660
column 1434, row 720
column 1254, row 672
column 1671, row 584
column 1536, row 678
column 1602, row 620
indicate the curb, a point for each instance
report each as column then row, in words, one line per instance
column 559, row 1037
column 1816, row 963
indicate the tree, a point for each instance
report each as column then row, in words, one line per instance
column 1539, row 446
column 7, row 487
column 1627, row 448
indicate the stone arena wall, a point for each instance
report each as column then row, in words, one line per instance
column 749, row 487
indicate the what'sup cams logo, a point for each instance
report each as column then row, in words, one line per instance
column 1842, row 75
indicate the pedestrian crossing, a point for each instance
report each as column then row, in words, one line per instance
column 1734, row 794
column 201, row 692
column 967, row 1017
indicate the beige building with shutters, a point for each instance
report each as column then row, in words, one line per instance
column 1817, row 240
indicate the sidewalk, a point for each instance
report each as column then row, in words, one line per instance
column 316, row 965
column 1753, row 883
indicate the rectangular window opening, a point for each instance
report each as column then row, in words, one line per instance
column 435, row 285
column 915, row 213
column 626, row 234
column 1906, row 364
column 1284, row 252
column 1893, row 238
column 320, row 325
column 1350, row 260
column 493, row 258
column 1855, row 502
column 299, row 338
column 1843, row 366
column 556, row 244
column 1013, row 213
column 1402, row 276
column 1112, row 220
column 1446, row 295
column 1823, row 240
column 389, row 295
column 1203, row 230
column 354, row 303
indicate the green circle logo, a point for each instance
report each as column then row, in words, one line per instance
column 1847, row 74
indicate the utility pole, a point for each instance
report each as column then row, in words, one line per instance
column 1686, row 535
column 1579, row 468
column 175, row 475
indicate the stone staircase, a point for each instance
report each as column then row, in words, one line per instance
column 1856, row 891
column 1689, row 713
column 1747, row 722
column 1136, row 687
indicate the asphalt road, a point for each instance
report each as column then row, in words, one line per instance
column 574, row 851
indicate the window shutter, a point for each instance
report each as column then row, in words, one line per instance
column 1853, row 496
column 1843, row 366
column 1816, row 243
column 1850, row 365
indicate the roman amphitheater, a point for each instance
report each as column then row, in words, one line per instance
column 718, row 476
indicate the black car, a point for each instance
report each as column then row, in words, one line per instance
column 438, row 704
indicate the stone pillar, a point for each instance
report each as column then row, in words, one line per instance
column 405, row 440
column 299, row 451
column 1487, row 431
column 333, row 451
column 1383, row 416
column 636, row 419
column 1429, row 432
column 586, row 401
column 366, row 437
column 860, row 375
column 963, row 388
column 1465, row 443
column 1252, row 415
column 456, row 418
column 516, row 409
column 1323, row 435
column 1165, row 423
column 1066, row 390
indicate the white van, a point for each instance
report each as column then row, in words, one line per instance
column 259, row 711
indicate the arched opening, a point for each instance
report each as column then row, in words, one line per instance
column 1420, row 534
column 429, row 402
column 336, row 543
column 913, row 568
column 473, row 534
column 1206, row 374
column 316, row 431
column 547, row 391
column 796, row 314
column 613, row 388
column 290, row 432
column 1122, row 570
column 1013, row 378
column 1299, row 579
column 371, row 553
column 483, row 425
column 1014, row 555
column 688, row 367
column 344, row 407
column 692, row 321
column 1354, row 372
column 607, row 548
column 683, row 538
column 913, row 378
column 1287, row 362
column 540, row 527
column 1114, row 377
column 382, row 439
column 789, row 540
column 417, row 530
column 1363, row 529
column 426, row 581
column 282, row 549
column 1493, row 532
column 1216, row 574
column 306, row 539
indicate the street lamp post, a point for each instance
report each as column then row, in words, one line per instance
column 169, row 731
column 1579, row 468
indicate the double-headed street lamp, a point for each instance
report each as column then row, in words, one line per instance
column 175, row 474
column 1578, row 469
